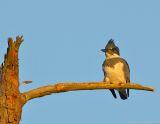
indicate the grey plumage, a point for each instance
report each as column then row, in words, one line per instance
column 116, row 69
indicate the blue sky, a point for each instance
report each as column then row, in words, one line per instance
column 62, row 42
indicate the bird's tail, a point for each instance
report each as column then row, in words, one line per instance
column 113, row 93
column 123, row 94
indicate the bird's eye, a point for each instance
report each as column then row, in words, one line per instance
column 111, row 48
column 114, row 48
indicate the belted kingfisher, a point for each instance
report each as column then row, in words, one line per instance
column 116, row 69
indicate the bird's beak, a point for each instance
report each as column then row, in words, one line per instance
column 103, row 50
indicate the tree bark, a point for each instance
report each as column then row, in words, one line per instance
column 12, row 101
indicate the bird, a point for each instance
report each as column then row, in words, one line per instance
column 116, row 69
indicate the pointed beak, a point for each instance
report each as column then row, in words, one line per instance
column 103, row 50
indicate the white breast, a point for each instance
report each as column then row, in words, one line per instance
column 116, row 74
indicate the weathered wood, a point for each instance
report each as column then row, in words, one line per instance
column 10, row 102
column 65, row 87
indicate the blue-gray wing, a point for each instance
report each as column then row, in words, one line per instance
column 103, row 66
column 127, row 73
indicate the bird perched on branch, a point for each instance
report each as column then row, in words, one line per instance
column 116, row 69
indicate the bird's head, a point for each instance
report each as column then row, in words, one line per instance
column 111, row 48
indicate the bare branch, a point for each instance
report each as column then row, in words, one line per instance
column 65, row 87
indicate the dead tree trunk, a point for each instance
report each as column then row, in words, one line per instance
column 12, row 101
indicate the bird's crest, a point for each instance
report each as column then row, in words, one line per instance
column 111, row 41
column 110, row 44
